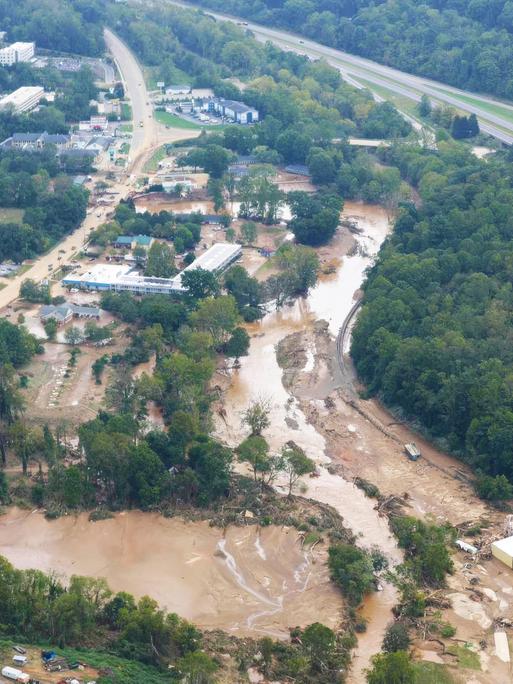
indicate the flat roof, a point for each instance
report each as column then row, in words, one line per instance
column 215, row 257
column 20, row 96
column 101, row 273
column 505, row 545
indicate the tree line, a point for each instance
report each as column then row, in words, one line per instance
column 433, row 338
column 464, row 44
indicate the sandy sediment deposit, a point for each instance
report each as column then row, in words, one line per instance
column 246, row 581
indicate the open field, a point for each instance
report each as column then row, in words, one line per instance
column 175, row 121
column 11, row 215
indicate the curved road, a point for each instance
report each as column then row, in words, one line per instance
column 400, row 82
column 143, row 141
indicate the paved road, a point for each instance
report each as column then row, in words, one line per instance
column 402, row 83
column 143, row 142
column 144, row 137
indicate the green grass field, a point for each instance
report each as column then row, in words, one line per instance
column 431, row 673
column 405, row 104
column 174, row 121
column 153, row 163
column 127, row 128
column 126, row 111
column 125, row 148
column 491, row 107
column 10, row 215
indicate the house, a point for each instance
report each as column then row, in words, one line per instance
column 99, row 144
column 79, row 181
column 63, row 313
column 231, row 109
column 133, row 241
column 238, row 170
column 36, row 141
column 298, row 169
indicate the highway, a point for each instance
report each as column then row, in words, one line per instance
column 407, row 85
column 143, row 142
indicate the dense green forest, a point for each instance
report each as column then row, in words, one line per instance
column 465, row 44
column 53, row 205
column 55, row 24
column 434, row 337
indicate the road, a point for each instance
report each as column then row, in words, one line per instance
column 143, row 142
column 144, row 137
column 404, row 84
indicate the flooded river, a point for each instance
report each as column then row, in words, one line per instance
column 246, row 581
column 260, row 376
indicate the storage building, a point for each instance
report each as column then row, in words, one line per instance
column 503, row 551
column 24, row 99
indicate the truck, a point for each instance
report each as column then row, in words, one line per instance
column 15, row 675
column 412, row 451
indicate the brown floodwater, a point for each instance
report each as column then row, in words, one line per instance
column 245, row 581
column 260, row 377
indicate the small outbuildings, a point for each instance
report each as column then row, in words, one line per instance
column 503, row 551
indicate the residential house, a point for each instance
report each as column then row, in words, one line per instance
column 64, row 313
column 133, row 241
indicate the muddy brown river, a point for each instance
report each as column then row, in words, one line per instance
column 260, row 376
column 246, row 581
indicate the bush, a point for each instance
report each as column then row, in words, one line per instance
column 396, row 638
column 351, row 568
column 494, row 489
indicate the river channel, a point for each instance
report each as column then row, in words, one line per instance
column 260, row 376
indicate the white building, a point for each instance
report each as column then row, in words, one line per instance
column 122, row 278
column 24, row 99
column 17, row 52
column 231, row 109
column 95, row 123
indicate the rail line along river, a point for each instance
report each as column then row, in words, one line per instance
column 244, row 581
column 260, row 376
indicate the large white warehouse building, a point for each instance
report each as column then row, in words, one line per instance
column 122, row 278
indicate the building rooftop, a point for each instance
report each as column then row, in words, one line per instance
column 215, row 257
column 238, row 107
column 19, row 96
column 142, row 240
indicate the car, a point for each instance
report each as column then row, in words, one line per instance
column 74, row 289
column 301, row 42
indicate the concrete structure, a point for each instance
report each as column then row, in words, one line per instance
column 169, row 184
column 17, row 52
column 36, row 141
column 122, row 277
column 503, row 551
column 24, row 99
column 231, row 109
column 63, row 313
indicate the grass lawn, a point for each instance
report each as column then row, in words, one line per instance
column 127, row 128
column 10, row 215
column 174, row 121
column 490, row 107
column 431, row 673
column 125, row 148
column 126, row 111
column 153, row 163
column 405, row 104
column 467, row 658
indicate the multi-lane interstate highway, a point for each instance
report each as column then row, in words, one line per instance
column 498, row 123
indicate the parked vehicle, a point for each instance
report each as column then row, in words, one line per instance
column 412, row 451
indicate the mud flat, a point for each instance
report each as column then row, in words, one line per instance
column 246, row 581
